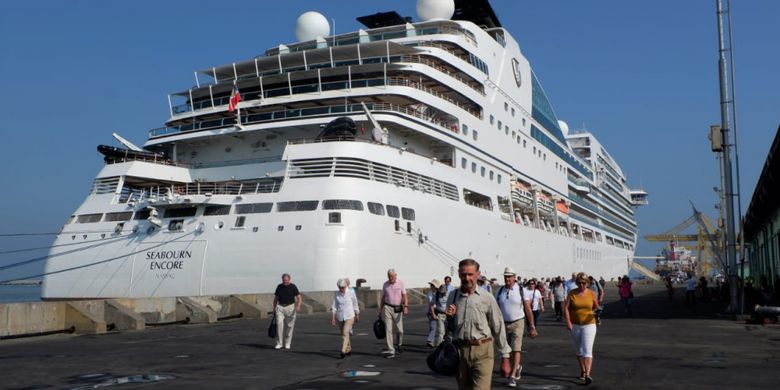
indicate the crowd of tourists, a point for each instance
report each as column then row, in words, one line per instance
column 474, row 319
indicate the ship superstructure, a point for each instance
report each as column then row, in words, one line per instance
column 403, row 145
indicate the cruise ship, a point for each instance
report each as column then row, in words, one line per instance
column 409, row 144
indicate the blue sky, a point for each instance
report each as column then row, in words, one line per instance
column 642, row 76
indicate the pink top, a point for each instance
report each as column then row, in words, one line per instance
column 393, row 293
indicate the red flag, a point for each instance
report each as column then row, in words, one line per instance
column 235, row 97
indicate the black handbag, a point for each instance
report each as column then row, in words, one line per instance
column 444, row 360
column 272, row 327
column 379, row 329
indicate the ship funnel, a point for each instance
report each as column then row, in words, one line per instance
column 435, row 9
column 310, row 26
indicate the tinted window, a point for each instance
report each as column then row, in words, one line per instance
column 254, row 208
column 392, row 211
column 342, row 204
column 180, row 212
column 376, row 208
column 302, row 205
column 217, row 210
column 89, row 218
column 121, row 216
column 407, row 213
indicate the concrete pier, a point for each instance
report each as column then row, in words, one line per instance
column 663, row 345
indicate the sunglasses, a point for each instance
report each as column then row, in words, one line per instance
column 582, row 283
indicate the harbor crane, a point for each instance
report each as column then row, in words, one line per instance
column 707, row 241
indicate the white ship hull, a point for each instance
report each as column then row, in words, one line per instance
column 238, row 260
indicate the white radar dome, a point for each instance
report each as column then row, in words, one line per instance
column 435, row 9
column 310, row 26
column 564, row 127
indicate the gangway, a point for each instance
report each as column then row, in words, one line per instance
column 645, row 271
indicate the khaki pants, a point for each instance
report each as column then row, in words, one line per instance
column 441, row 329
column 394, row 324
column 285, row 322
column 346, row 327
column 475, row 370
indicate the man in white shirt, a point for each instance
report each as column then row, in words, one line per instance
column 515, row 307
column 570, row 284
column 690, row 290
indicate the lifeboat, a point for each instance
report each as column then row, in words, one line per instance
column 562, row 206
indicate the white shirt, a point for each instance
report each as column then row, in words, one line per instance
column 510, row 303
column 691, row 284
column 345, row 305
column 536, row 298
column 570, row 285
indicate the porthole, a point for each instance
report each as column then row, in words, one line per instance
column 298, row 227
column 255, row 229
column 219, row 225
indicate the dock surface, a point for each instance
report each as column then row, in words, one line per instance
column 663, row 345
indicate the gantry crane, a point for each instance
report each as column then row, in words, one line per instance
column 707, row 241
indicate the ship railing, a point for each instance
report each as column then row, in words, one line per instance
column 252, row 186
column 447, row 122
column 212, row 102
column 212, row 164
column 304, row 141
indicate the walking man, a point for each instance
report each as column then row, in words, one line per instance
column 346, row 312
column 287, row 302
column 448, row 283
column 476, row 324
column 395, row 304
column 515, row 308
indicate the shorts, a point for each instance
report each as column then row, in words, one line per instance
column 514, row 335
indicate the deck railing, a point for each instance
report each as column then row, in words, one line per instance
column 450, row 124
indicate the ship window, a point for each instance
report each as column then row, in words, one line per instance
column 376, row 208
column 408, row 214
column 482, row 171
column 598, row 237
column 392, row 211
column 300, row 205
column 463, row 162
column 176, row 225
column 514, row 135
column 180, row 212
column 534, row 150
column 71, row 220
column 143, row 214
column 465, row 129
column 240, row 221
column 506, row 106
column 523, row 121
column 121, row 216
column 524, row 143
column 254, row 208
column 500, row 125
column 544, row 157
column 492, row 120
column 342, row 204
column 499, row 178
column 506, row 130
column 513, row 111
column 89, row 218
column 334, row 217
column 474, row 134
column 477, row 199
column 474, row 167
column 216, row 210
column 491, row 175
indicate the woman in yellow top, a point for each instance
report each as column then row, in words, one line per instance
column 579, row 308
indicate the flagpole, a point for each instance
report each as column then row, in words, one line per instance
column 238, row 110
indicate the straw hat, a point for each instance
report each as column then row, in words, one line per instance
column 509, row 271
column 435, row 282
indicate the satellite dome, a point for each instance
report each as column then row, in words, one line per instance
column 564, row 127
column 435, row 9
column 310, row 26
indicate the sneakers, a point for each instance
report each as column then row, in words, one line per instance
column 278, row 346
column 387, row 352
column 588, row 380
column 390, row 356
column 287, row 346
column 429, row 344
column 512, row 382
column 518, row 372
